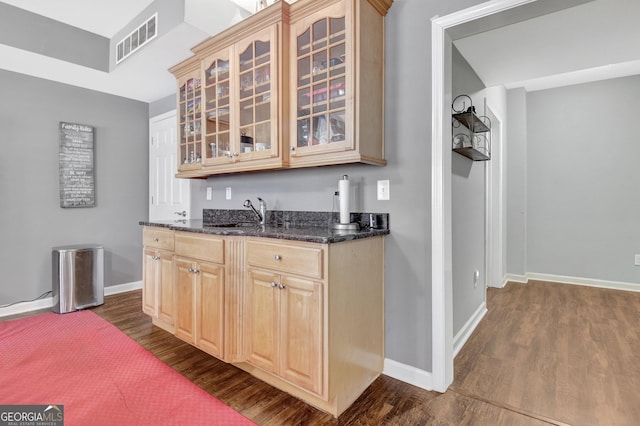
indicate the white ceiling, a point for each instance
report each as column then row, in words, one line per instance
column 600, row 39
column 594, row 41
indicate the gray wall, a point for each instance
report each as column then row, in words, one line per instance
column 32, row 220
column 44, row 36
column 516, row 181
column 468, row 208
column 582, row 180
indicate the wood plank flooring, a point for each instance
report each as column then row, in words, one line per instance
column 544, row 354
column 562, row 352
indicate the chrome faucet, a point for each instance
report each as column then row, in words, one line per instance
column 262, row 214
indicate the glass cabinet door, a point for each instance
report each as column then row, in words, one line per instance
column 254, row 96
column 190, row 122
column 217, row 117
column 321, row 84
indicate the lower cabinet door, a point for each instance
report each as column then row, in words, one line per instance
column 166, row 300
column 185, row 286
column 301, row 348
column 262, row 313
column 210, row 309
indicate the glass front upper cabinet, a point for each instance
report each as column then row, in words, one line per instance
column 190, row 121
column 321, row 84
column 217, row 88
column 254, row 91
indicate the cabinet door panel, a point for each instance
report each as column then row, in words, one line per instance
column 301, row 353
column 210, row 330
column 149, row 282
column 185, row 300
column 166, row 300
column 262, row 320
column 323, row 83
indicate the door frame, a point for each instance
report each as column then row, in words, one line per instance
column 441, row 237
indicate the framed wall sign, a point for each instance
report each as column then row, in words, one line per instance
column 77, row 177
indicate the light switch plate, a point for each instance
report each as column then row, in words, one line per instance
column 228, row 193
column 209, row 193
column 383, row 190
column 637, row 263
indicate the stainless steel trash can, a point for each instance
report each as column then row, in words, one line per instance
column 78, row 277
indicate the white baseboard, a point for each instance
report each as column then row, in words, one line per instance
column 408, row 374
column 589, row 282
column 122, row 288
column 465, row 332
column 565, row 279
column 47, row 303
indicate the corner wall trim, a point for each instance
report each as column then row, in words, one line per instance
column 47, row 303
column 408, row 374
column 522, row 279
column 465, row 332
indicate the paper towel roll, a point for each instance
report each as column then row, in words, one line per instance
column 343, row 190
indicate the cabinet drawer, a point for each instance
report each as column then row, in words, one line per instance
column 157, row 237
column 201, row 247
column 286, row 258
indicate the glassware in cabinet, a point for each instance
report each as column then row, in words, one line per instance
column 217, row 109
column 190, row 122
column 255, row 96
column 321, row 85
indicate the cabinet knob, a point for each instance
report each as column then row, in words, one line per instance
column 280, row 286
column 293, row 148
column 273, row 284
column 194, row 270
column 277, row 257
column 154, row 257
column 156, row 239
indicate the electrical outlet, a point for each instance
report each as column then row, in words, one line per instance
column 383, row 190
column 228, row 194
column 637, row 262
column 209, row 193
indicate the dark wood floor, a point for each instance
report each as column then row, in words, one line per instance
column 544, row 354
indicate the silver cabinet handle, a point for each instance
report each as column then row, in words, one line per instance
column 193, row 270
column 156, row 239
column 183, row 213
column 154, row 257
column 277, row 257
column 293, row 148
column 280, row 286
column 273, row 284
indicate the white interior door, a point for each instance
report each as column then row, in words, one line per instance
column 169, row 197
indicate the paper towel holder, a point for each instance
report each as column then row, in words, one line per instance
column 344, row 224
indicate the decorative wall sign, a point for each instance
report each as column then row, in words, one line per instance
column 77, row 180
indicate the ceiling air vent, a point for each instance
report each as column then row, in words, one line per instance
column 137, row 38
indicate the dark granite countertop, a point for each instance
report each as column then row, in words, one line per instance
column 295, row 227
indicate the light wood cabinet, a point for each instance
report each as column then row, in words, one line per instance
column 284, row 327
column 297, row 85
column 337, row 82
column 307, row 318
column 200, row 285
column 157, row 277
column 243, row 70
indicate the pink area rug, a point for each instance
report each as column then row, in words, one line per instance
column 99, row 374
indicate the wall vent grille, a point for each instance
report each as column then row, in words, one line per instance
column 137, row 38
